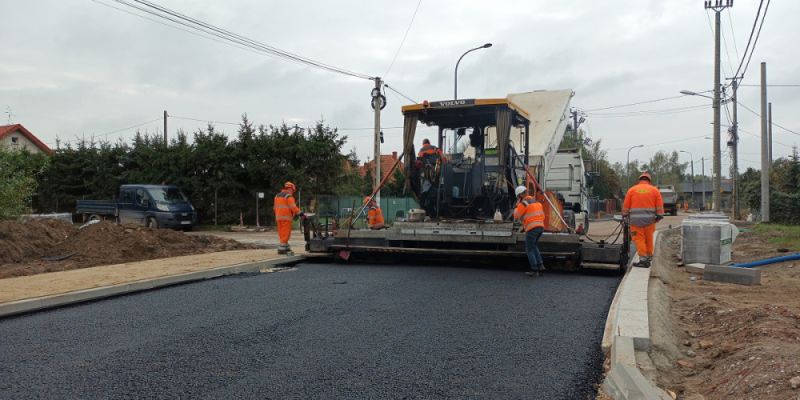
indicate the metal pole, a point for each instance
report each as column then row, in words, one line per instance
column 694, row 203
column 378, row 102
column 455, row 74
column 735, row 152
column 165, row 128
column 765, row 161
column 717, row 162
column 703, row 167
column 628, row 164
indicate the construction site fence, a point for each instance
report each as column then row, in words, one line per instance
column 603, row 208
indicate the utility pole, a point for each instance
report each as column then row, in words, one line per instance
column 765, row 161
column 717, row 6
column 734, row 145
column 378, row 102
column 166, row 143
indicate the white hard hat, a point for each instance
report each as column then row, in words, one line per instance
column 520, row 190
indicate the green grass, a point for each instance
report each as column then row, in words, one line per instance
column 786, row 236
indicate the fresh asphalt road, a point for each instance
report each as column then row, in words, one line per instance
column 321, row 331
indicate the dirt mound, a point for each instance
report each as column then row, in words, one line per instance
column 731, row 341
column 46, row 246
column 31, row 239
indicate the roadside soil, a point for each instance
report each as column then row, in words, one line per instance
column 715, row 340
column 38, row 246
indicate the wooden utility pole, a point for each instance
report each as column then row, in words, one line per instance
column 166, row 143
column 765, row 161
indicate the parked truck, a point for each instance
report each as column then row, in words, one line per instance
column 670, row 197
column 154, row 206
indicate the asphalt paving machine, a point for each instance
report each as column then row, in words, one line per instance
column 466, row 195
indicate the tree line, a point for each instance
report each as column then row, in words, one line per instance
column 211, row 168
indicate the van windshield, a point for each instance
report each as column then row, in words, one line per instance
column 168, row 195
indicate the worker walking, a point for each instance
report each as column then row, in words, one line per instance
column 644, row 207
column 285, row 211
column 374, row 214
column 531, row 214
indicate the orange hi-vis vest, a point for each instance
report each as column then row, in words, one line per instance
column 530, row 212
column 285, row 207
column 427, row 150
column 374, row 216
column 643, row 203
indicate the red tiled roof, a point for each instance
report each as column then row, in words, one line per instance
column 6, row 130
column 387, row 161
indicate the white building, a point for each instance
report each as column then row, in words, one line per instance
column 16, row 137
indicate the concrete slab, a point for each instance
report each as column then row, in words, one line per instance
column 58, row 300
column 632, row 317
column 625, row 382
column 741, row 276
column 695, row 268
column 622, row 352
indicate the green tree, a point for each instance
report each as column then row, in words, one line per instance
column 19, row 171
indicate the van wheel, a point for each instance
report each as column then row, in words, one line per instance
column 152, row 223
column 95, row 217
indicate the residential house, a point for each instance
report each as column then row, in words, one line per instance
column 18, row 137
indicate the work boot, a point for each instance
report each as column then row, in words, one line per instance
column 283, row 248
column 641, row 263
column 541, row 268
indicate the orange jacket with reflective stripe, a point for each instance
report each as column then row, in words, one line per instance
column 374, row 216
column 285, row 207
column 643, row 203
column 530, row 212
column 427, row 150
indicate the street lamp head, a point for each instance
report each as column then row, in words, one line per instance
column 487, row 45
column 641, row 145
column 688, row 93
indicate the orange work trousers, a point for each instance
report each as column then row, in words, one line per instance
column 284, row 231
column 643, row 238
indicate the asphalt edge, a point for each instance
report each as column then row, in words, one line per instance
column 79, row 296
column 624, row 380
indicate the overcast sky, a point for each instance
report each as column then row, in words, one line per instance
column 75, row 67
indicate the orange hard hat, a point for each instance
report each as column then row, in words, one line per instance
column 289, row 185
column 645, row 175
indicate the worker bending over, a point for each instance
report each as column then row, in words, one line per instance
column 285, row 211
column 531, row 214
column 374, row 214
column 644, row 207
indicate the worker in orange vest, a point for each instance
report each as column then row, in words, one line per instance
column 374, row 214
column 644, row 207
column 531, row 214
column 285, row 211
column 428, row 149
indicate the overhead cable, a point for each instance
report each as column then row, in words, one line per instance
column 405, row 35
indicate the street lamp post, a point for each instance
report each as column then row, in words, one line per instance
column 716, row 162
column 455, row 77
column 628, row 164
column 692, row 172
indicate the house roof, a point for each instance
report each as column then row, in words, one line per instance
column 6, row 130
column 387, row 161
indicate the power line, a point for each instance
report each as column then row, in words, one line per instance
column 739, row 71
column 662, row 143
column 773, row 121
column 405, row 35
column 768, row 85
column 402, row 95
column 641, row 102
column 758, row 35
column 665, row 111
column 106, row 134
column 208, row 29
column 733, row 33
column 372, row 128
column 724, row 41
column 204, row 120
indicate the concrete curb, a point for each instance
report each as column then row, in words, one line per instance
column 79, row 296
column 627, row 330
